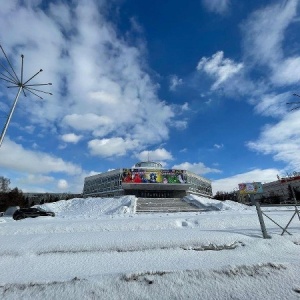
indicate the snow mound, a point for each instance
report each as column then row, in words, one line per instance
column 214, row 205
column 92, row 207
column 98, row 207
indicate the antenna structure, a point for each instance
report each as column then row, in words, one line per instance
column 297, row 103
column 8, row 74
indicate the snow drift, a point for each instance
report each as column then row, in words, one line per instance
column 209, row 204
column 92, row 207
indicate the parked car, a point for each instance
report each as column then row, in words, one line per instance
column 31, row 212
column 10, row 211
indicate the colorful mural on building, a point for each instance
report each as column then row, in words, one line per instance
column 154, row 176
column 250, row 188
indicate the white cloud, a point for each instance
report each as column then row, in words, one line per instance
column 34, row 162
column 91, row 173
column 35, row 179
column 287, row 72
column 71, row 138
column 217, row 6
column 29, row 129
column 62, row 184
column 197, row 168
column 264, row 33
column 185, row 107
column 111, row 147
column 263, row 47
column 87, row 121
column 175, row 81
column 100, row 84
column 231, row 183
column 61, row 14
column 180, row 125
column 159, row 154
column 218, row 146
column 282, row 140
column 136, row 26
column 35, row 146
column 272, row 104
column 219, row 68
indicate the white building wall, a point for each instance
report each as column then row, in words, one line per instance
column 110, row 184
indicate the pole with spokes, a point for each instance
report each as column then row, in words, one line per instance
column 9, row 116
column 9, row 75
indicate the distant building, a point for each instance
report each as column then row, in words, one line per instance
column 279, row 191
column 281, row 188
column 146, row 179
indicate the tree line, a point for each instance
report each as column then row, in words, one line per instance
column 226, row 196
column 263, row 199
column 15, row 197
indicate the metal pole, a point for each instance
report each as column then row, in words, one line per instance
column 295, row 200
column 260, row 217
column 293, row 193
column 10, row 115
column 14, row 80
column 296, row 210
column 285, row 228
column 275, row 223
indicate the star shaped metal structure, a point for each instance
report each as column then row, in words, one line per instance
column 8, row 74
column 297, row 103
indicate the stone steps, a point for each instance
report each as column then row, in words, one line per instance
column 149, row 205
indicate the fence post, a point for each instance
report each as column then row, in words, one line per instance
column 260, row 217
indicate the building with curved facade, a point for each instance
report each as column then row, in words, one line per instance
column 148, row 180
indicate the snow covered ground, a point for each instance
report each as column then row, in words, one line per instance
column 100, row 249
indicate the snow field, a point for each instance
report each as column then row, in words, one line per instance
column 99, row 249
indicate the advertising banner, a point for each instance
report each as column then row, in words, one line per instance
column 153, row 176
column 250, row 188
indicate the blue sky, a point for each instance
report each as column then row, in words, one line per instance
column 199, row 85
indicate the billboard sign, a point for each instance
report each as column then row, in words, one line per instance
column 153, row 176
column 250, row 188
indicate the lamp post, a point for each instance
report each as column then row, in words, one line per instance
column 9, row 75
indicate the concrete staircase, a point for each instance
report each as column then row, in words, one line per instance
column 152, row 205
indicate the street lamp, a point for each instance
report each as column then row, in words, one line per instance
column 9, row 75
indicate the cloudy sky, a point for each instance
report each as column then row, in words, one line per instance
column 199, row 85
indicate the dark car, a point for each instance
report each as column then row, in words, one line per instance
column 32, row 212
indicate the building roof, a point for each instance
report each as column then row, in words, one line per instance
column 148, row 164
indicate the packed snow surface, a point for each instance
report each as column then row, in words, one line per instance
column 99, row 248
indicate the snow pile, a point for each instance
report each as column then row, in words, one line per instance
column 215, row 205
column 126, row 205
column 92, row 207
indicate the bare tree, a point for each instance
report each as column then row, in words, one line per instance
column 4, row 184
